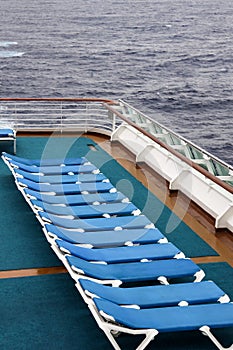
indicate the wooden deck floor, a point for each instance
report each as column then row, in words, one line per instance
column 190, row 213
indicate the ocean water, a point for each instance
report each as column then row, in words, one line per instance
column 172, row 59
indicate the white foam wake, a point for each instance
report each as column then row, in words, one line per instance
column 7, row 43
column 7, row 54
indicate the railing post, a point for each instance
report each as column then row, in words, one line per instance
column 15, row 118
column 86, row 117
column 61, row 117
column 112, row 116
column 113, row 122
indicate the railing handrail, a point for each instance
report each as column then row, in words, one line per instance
column 54, row 112
column 57, row 99
column 108, row 103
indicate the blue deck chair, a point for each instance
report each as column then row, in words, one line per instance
column 44, row 162
column 8, row 134
column 113, row 318
column 78, row 199
column 97, row 224
column 60, row 189
column 56, row 169
column 116, row 274
column 104, row 238
column 87, row 211
column 58, row 179
column 119, row 254
column 154, row 296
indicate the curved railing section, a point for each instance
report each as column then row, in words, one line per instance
column 104, row 115
column 201, row 176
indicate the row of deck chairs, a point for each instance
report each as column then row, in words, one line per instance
column 121, row 263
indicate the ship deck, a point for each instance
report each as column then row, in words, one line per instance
column 192, row 215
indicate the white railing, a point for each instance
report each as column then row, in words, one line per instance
column 105, row 116
column 58, row 114
column 202, row 177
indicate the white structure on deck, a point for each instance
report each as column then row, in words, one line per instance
column 178, row 167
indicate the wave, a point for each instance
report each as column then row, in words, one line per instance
column 8, row 54
column 7, row 43
column 177, row 69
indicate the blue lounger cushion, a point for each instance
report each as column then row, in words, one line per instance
column 135, row 271
column 76, row 199
column 170, row 319
column 56, row 169
column 60, row 179
column 43, row 161
column 88, row 211
column 98, row 224
column 156, row 296
column 121, row 254
column 106, row 238
column 7, row 132
column 59, row 189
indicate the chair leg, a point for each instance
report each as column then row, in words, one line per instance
column 108, row 330
column 105, row 322
column 150, row 334
column 111, row 338
column 206, row 331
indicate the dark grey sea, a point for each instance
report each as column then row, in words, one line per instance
column 172, row 59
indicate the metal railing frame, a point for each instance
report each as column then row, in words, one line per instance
column 116, row 117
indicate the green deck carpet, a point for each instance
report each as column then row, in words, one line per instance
column 222, row 274
column 23, row 243
column 47, row 312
